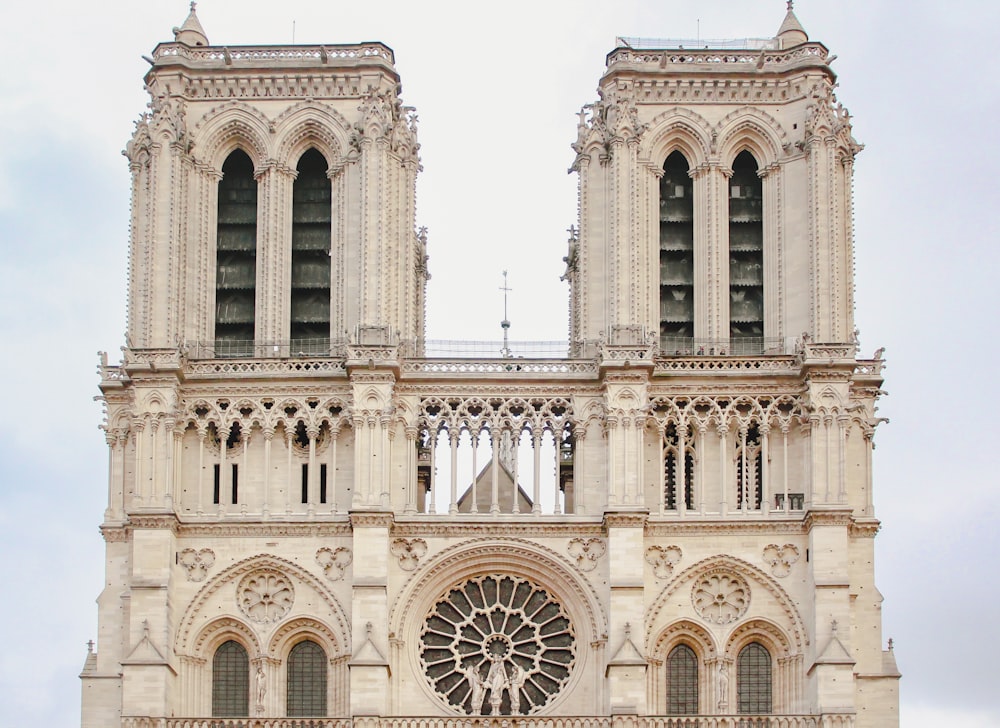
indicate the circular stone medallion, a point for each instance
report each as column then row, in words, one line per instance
column 721, row 596
column 265, row 596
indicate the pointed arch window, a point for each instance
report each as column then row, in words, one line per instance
column 311, row 217
column 236, row 256
column 306, row 688
column 676, row 255
column 230, row 681
column 749, row 474
column 678, row 476
column 746, row 257
column 682, row 681
column 753, row 680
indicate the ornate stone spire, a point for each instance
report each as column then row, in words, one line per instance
column 791, row 33
column 191, row 33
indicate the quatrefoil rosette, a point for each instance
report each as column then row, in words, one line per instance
column 491, row 624
column 265, row 596
column 720, row 596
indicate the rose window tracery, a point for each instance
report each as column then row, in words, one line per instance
column 497, row 645
column 265, row 596
column 721, row 597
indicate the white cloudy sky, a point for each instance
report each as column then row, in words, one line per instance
column 497, row 88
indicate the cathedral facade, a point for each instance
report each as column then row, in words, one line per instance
column 314, row 521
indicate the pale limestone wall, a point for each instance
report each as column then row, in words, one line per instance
column 785, row 114
column 361, row 573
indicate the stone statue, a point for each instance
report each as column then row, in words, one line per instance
column 476, row 687
column 260, row 688
column 723, row 687
column 496, row 681
column 516, row 682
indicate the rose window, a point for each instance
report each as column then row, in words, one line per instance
column 265, row 596
column 497, row 645
column 721, row 597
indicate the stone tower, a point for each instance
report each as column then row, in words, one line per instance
column 310, row 518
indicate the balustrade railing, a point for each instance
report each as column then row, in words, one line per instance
column 829, row 720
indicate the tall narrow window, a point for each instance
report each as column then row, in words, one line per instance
column 672, row 469
column 746, row 257
column 676, row 256
column 230, row 681
column 753, row 680
column 682, row 681
column 306, row 680
column 310, row 299
column 236, row 253
column 748, row 469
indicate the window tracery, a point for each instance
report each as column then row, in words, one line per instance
column 497, row 645
column 306, row 680
column 676, row 255
column 746, row 256
column 236, row 253
column 753, row 680
column 682, row 681
column 311, row 240
column 230, row 681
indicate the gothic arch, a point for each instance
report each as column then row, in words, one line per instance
column 795, row 626
column 484, row 555
column 302, row 628
column 185, row 640
column 753, row 130
column 231, row 126
column 684, row 631
column 677, row 130
column 760, row 630
column 311, row 125
column 516, row 557
column 223, row 629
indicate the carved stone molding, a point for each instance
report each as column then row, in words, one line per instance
column 663, row 559
column 497, row 527
column 720, row 596
column 197, row 563
column 115, row 534
column 265, row 596
column 625, row 520
column 360, row 519
column 334, row 561
column 340, row 528
column 781, row 558
column 586, row 551
column 408, row 551
column 674, row 526
column 168, row 522
column 524, row 646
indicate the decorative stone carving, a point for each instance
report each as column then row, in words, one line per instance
column 409, row 551
column 497, row 645
column 586, row 551
column 721, row 596
column 781, row 558
column 265, row 596
column 663, row 559
column 197, row 563
column 334, row 561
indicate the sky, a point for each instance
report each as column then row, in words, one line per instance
column 497, row 88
